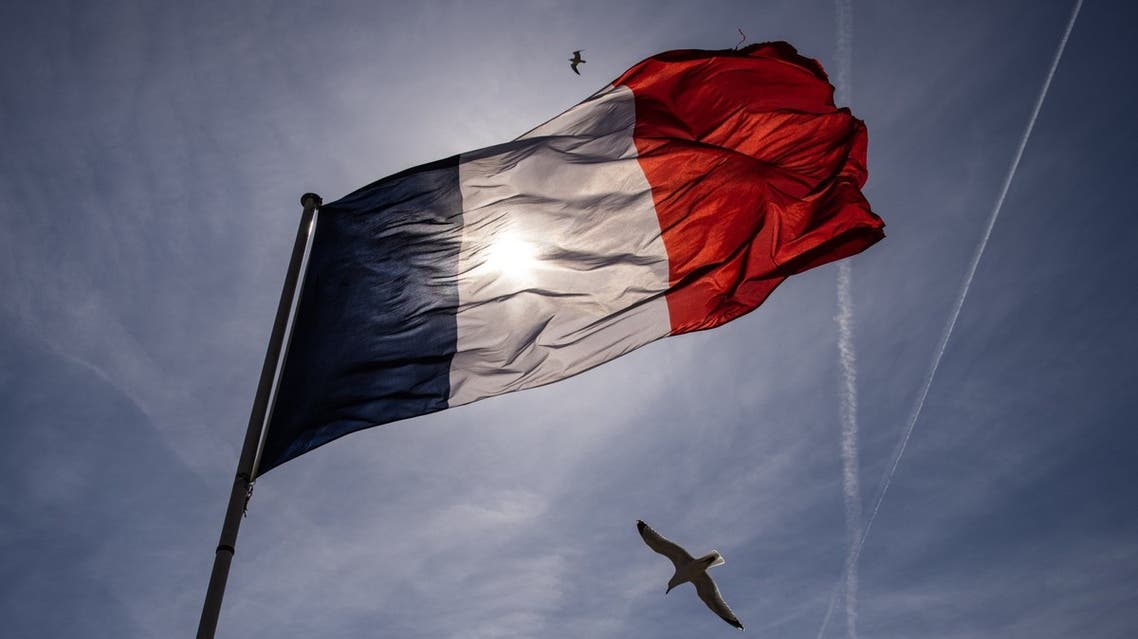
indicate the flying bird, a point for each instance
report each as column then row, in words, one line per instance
column 691, row 569
column 575, row 60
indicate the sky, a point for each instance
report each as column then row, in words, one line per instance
column 155, row 156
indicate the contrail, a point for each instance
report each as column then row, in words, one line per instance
column 843, row 53
column 951, row 324
column 851, row 489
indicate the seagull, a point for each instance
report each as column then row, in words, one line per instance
column 690, row 569
column 574, row 61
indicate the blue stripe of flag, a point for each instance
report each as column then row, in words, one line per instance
column 375, row 329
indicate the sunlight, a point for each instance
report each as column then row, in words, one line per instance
column 512, row 256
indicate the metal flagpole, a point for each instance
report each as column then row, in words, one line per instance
column 243, row 482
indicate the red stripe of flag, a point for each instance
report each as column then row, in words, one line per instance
column 755, row 174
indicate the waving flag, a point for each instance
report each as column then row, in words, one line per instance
column 674, row 200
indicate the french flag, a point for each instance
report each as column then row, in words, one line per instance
column 673, row 200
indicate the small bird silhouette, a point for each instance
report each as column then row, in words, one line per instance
column 575, row 60
column 691, row 569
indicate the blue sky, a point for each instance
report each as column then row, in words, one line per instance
column 155, row 156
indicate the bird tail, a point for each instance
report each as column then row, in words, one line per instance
column 712, row 558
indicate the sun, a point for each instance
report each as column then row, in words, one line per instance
column 512, row 256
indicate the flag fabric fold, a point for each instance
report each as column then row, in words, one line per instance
column 675, row 199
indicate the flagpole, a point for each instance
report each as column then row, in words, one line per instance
column 243, row 481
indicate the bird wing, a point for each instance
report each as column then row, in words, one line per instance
column 666, row 547
column 710, row 596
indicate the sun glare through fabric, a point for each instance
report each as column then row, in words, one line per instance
column 512, row 256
